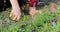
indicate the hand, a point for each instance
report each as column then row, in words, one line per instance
column 16, row 14
column 32, row 11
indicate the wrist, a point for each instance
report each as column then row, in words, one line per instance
column 16, row 8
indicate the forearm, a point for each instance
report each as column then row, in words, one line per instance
column 14, row 4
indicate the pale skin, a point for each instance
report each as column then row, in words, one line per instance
column 17, row 12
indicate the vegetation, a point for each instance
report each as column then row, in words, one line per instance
column 43, row 22
column 39, row 23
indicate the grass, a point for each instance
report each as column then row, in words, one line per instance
column 39, row 23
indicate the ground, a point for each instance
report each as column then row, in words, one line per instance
column 43, row 21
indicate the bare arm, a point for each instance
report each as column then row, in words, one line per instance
column 15, row 10
column 14, row 4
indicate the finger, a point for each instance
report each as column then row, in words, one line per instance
column 15, row 18
column 10, row 14
column 31, row 13
column 18, row 18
